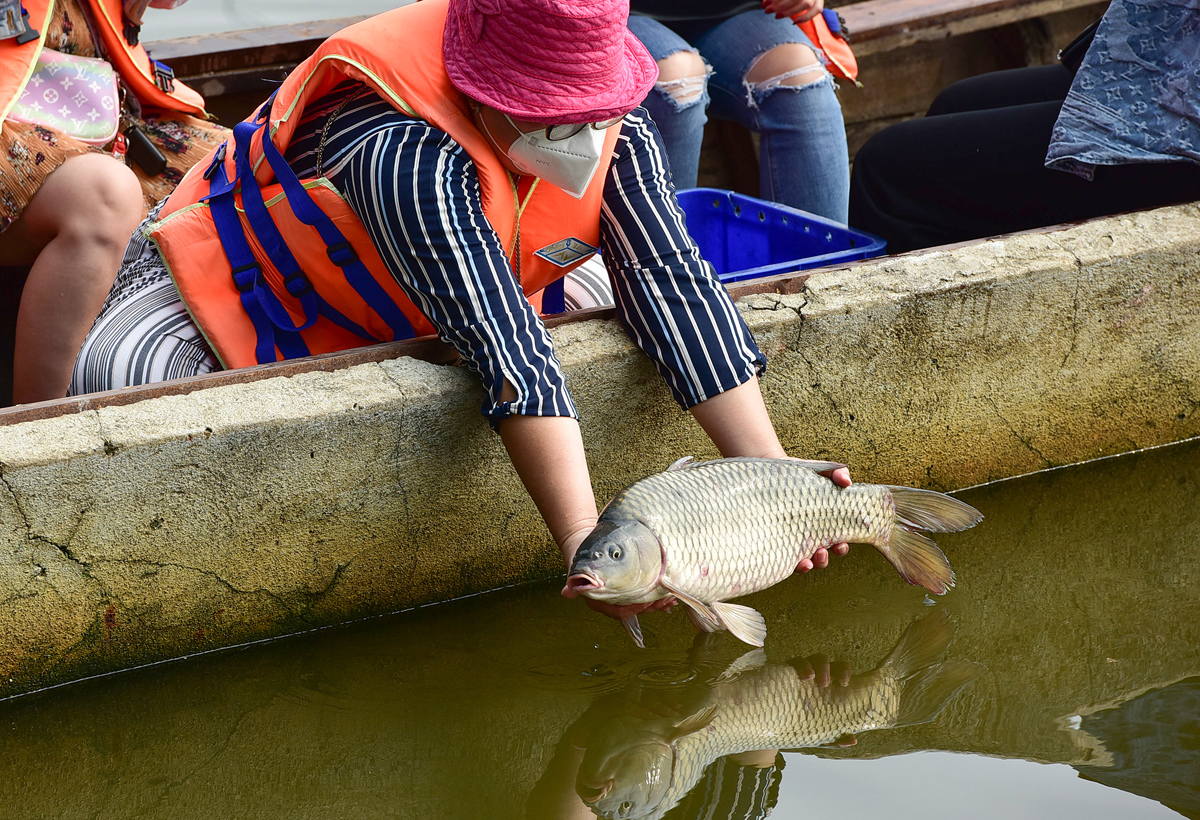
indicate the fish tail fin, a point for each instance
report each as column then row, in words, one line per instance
column 932, row 511
column 925, row 694
column 918, row 560
column 745, row 623
column 927, row 686
column 922, row 644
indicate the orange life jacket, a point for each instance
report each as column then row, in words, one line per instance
column 272, row 267
column 17, row 61
column 133, row 64
column 826, row 33
column 151, row 82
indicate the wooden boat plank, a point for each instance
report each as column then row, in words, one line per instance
column 883, row 25
column 875, row 25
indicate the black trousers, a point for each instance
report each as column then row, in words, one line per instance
column 973, row 167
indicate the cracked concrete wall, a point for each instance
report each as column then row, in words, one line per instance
column 184, row 523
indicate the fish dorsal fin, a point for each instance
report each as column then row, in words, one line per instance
column 681, row 464
column 745, row 623
column 634, row 629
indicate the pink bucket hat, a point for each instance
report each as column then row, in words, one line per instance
column 547, row 61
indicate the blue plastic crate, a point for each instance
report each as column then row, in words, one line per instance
column 748, row 238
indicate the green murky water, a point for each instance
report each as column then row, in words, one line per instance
column 1060, row 679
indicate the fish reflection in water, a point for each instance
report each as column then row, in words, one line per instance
column 644, row 750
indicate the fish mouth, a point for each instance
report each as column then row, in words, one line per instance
column 581, row 582
column 591, row 795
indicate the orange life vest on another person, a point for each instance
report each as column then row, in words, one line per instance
column 151, row 82
column 17, row 61
column 135, row 67
column 308, row 280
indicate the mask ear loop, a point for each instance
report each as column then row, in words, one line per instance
column 477, row 109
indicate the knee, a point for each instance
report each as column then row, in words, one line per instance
column 793, row 64
column 95, row 198
column 682, row 78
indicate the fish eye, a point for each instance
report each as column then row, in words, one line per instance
column 625, row 807
column 616, row 553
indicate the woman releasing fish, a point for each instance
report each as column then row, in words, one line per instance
column 705, row 532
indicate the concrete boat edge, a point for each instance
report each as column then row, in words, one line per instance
column 182, row 523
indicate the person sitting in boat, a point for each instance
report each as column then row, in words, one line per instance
column 67, row 208
column 444, row 187
column 765, row 74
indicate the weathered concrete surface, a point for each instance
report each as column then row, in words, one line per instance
column 188, row 522
column 1069, row 602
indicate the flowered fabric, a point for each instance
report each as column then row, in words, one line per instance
column 1136, row 96
column 28, row 154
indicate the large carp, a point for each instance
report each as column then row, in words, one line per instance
column 708, row 531
column 642, row 766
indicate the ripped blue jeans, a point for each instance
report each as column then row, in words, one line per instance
column 803, row 159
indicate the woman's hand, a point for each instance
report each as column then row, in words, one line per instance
column 799, row 10
column 820, row 559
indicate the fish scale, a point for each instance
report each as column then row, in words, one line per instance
column 749, row 525
column 775, row 708
column 755, row 705
column 709, row 531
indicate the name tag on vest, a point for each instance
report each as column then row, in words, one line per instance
column 566, row 252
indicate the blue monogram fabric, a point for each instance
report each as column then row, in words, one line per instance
column 1136, row 96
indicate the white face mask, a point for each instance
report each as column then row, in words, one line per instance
column 568, row 164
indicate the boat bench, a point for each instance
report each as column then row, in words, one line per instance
column 908, row 50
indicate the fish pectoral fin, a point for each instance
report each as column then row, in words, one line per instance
column 701, row 620
column 745, row 623
column 697, row 610
column 634, row 629
column 693, row 723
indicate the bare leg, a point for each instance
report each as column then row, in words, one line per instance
column 72, row 233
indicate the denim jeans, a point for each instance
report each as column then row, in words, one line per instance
column 803, row 159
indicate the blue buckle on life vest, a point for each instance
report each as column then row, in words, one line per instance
column 297, row 284
column 164, row 77
column 217, row 160
column 245, row 283
column 342, row 254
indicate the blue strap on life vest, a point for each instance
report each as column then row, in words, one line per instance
column 248, row 277
column 554, row 297
column 340, row 251
column 220, row 185
column 295, row 282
